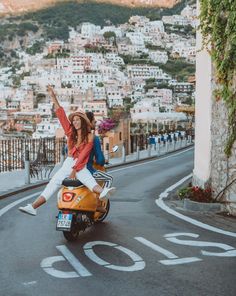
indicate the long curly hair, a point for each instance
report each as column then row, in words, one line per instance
column 85, row 130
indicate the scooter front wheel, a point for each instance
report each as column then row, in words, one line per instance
column 103, row 216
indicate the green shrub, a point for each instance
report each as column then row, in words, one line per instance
column 196, row 193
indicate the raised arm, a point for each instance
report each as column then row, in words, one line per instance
column 60, row 113
column 53, row 97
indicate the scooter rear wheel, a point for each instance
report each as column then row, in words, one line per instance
column 72, row 235
column 103, row 216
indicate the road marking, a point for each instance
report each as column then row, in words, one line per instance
column 15, row 203
column 229, row 250
column 47, row 263
column 30, row 283
column 160, row 203
column 157, row 248
column 155, row 160
column 180, row 261
column 139, row 264
column 74, row 262
column 173, row 259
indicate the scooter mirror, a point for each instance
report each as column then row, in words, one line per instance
column 115, row 148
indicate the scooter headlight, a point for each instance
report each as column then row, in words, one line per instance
column 68, row 196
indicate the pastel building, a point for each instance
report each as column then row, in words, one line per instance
column 158, row 56
column 114, row 96
column 88, row 30
column 98, row 107
column 146, row 72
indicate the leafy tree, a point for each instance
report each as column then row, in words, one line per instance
column 150, row 80
column 178, row 68
column 97, row 49
column 37, row 47
column 99, row 84
column 41, row 96
column 2, row 54
column 14, row 54
column 109, row 34
column 131, row 60
column 23, row 28
column 163, row 85
column 128, row 104
column 56, row 32
column 68, row 85
column 154, row 47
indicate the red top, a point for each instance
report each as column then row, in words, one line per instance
column 81, row 152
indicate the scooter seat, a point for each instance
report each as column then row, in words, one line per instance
column 71, row 183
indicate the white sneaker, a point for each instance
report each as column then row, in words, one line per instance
column 107, row 191
column 28, row 210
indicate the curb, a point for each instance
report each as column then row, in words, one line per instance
column 191, row 205
column 203, row 220
column 194, row 206
column 23, row 189
column 42, row 183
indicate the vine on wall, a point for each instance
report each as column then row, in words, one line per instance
column 218, row 27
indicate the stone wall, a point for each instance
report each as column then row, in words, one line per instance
column 223, row 170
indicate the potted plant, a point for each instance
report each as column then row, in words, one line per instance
column 199, row 199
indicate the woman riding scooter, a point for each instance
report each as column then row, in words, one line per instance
column 80, row 143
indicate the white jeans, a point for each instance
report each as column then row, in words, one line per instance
column 83, row 176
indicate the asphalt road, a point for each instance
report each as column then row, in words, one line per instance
column 139, row 249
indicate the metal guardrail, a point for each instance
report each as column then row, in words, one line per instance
column 153, row 150
column 42, row 171
column 40, row 151
column 38, row 157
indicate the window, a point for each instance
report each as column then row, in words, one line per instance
column 120, row 136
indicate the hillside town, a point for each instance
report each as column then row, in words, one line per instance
column 106, row 70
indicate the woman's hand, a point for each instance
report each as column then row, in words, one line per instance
column 73, row 174
column 51, row 91
column 53, row 96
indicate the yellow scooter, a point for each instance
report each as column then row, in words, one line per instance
column 77, row 207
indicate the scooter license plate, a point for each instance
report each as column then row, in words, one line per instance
column 64, row 221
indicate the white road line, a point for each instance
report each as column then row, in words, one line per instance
column 180, row 261
column 173, row 259
column 155, row 160
column 157, row 248
column 47, row 265
column 163, row 206
column 15, row 203
column 30, row 283
column 80, row 269
column 139, row 264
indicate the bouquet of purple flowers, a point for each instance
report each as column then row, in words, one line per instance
column 106, row 125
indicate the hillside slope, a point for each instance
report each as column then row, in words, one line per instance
column 22, row 6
